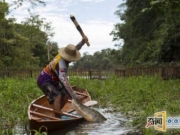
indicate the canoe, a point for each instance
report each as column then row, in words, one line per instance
column 41, row 113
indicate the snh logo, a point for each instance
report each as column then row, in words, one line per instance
column 161, row 122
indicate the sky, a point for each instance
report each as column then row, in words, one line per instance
column 96, row 18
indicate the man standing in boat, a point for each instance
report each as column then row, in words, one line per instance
column 53, row 79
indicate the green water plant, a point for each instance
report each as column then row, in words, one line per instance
column 136, row 97
column 15, row 96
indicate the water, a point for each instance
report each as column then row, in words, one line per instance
column 19, row 129
column 116, row 124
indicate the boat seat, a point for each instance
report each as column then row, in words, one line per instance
column 43, row 115
column 51, row 110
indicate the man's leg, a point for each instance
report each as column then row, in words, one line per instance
column 64, row 100
column 53, row 95
column 57, row 104
column 64, row 96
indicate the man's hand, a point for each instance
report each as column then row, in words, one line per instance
column 76, row 96
column 81, row 43
column 84, row 40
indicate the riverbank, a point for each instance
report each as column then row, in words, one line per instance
column 135, row 97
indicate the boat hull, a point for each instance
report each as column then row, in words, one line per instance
column 41, row 114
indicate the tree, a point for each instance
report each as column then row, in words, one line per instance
column 170, row 45
column 18, row 3
column 101, row 60
column 39, row 33
column 24, row 44
column 150, row 31
column 6, row 41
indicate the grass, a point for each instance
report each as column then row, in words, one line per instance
column 15, row 96
column 136, row 97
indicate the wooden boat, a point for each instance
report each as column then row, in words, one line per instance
column 41, row 113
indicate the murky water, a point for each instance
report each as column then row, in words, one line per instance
column 20, row 129
column 116, row 124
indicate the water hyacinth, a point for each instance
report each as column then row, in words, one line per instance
column 15, row 96
column 136, row 97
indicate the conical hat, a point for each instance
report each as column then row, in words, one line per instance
column 70, row 53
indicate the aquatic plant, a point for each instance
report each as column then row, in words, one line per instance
column 136, row 97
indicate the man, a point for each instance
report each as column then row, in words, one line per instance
column 53, row 79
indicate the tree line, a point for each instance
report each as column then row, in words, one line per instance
column 148, row 34
column 25, row 45
column 150, row 31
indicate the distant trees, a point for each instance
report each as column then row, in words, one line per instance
column 150, row 31
column 17, row 3
column 7, row 37
column 25, row 45
column 105, row 59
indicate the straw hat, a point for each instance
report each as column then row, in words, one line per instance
column 70, row 53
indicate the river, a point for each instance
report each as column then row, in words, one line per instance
column 116, row 124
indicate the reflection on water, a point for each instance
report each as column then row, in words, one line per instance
column 20, row 130
column 116, row 124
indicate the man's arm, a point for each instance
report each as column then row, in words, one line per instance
column 81, row 43
column 61, row 71
column 64, row 80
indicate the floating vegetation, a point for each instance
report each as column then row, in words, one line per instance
column 136, row 97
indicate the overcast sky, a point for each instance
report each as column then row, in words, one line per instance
column 96, row 18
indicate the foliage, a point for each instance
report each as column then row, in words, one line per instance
column 149, row 30
column 105, row 59
column 25, row 45
column 15, row 96
column 149, row 34
column 136, row 97
column 18, row 3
